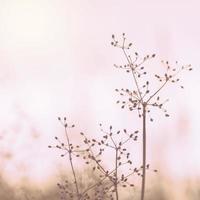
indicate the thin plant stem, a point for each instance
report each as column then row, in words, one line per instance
column 134, row 77
column 143, row 150
column 144, row 104
column 116, row 174
column 157, row 91
column 72, row 166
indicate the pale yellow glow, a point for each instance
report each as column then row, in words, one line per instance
column 27, row 21
column 26, row 25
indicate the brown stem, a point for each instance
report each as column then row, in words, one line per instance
column 116, row 174
column 72, row 166
column 134, row 77
column 156, row 92
column 143, row 151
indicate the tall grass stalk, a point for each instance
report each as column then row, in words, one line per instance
column 141, row 98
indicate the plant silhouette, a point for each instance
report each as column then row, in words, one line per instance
column 142, row 98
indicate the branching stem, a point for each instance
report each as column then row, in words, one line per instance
column 134, row 77
column 72, row 166
column 157, row 91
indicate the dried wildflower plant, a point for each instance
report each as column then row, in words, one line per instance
column 94, row 152
column 116, row 143
column 141, row 98
column 67, row 150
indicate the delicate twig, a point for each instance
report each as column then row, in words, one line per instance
column 71, row 164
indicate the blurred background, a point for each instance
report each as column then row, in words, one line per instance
column 56, row 60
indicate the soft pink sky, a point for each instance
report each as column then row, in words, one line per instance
column 56, row 60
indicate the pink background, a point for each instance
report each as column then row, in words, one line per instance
column 56, row 60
